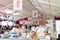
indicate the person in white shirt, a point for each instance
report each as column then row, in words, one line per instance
column 33, row 28
column 41, row 31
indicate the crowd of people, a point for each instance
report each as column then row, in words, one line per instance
column 34, row 32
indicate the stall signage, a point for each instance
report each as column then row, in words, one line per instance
column 17, row 4
column 35, row 14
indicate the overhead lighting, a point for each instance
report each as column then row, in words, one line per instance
column 8, row 11
column 16, row 13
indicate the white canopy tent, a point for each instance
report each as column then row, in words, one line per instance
column 49, row 7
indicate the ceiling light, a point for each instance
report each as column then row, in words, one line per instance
column 8, row 11
column 16, row 13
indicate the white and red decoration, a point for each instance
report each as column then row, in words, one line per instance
column 40, row 15
column 22, row 21
column 57, row 20
column 17, row 4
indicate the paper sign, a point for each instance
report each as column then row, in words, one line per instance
column 17, row 4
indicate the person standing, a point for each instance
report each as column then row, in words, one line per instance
column 33, row 35
column 41, row 31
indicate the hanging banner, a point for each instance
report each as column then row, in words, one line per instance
column 17, row 4
column 35, row 14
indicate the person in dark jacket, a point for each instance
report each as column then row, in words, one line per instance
column 58, row 37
